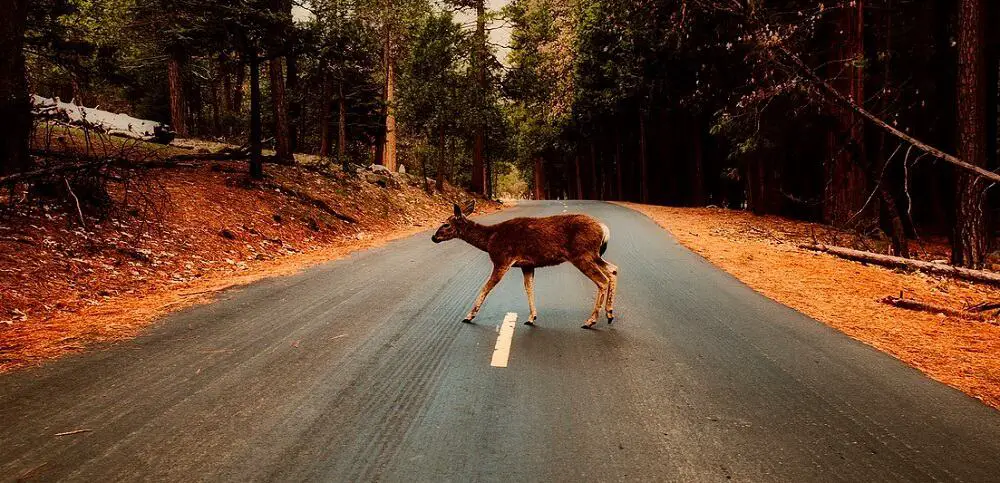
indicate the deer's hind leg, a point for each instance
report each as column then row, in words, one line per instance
column 611, row 270
column 593, row 271
column 498, row 272
column 529, row 288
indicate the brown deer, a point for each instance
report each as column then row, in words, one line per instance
column 530, row 243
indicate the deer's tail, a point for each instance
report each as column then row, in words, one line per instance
column 604, row 241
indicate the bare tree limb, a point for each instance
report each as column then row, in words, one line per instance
column 77, row 201
column 833, row 96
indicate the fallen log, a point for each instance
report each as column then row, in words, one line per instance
column 984, row 276
column 89, row 163
column 911, row 304
column 985, row 307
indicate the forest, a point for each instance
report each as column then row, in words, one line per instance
column 876, row 116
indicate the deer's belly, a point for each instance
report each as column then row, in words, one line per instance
column 538, row 262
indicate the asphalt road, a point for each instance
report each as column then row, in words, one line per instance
column 360, row 370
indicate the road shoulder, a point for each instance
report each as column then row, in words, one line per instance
column 763, row 253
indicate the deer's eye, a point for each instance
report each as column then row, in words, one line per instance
column 446, row 225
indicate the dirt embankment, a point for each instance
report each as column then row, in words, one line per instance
column 65, row 286
column 763, row 253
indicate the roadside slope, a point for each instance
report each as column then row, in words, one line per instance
column 203, row 228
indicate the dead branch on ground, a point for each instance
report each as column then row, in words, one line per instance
column 911, row 304
column 983, row 276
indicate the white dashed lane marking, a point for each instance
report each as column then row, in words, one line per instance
column 505, row 335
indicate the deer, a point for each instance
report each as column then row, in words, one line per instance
column 530, row 243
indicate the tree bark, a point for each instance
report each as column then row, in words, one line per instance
column 698, row 175
column 618, row 165
column 844, row 186
column 226, row 71
column 594, row 194
column 441, row 167
column 643, row 169
column 342, row 126
column 326, row 118
column 175, row 80
column 15, row 104
column 388, row 154
column 756, row 176
column 578, row 177
column 969, row 240
column 479, row 64
column 241, row 74
column 889, row 214
column 294, row 106
column 256, row 165
column 539, row 178
column 279, row 104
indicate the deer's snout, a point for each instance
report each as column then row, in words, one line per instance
column 435, row 239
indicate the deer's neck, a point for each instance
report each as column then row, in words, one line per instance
column 477, row 235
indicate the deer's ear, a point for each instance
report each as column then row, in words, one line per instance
column 458, row 211
column 469, row 208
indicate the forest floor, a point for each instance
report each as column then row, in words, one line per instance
column 67, row 286
column 764, row 253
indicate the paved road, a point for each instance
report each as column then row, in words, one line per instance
column 360, row 370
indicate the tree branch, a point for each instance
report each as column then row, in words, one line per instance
column 833, row 96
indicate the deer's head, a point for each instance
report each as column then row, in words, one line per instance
column 453, row 227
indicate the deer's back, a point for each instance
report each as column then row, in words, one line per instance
column 545, row 241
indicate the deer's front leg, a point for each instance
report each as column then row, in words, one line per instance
column 498, row 272
column 529, row 288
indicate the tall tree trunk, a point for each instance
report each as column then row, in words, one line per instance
column 326, row 117
column 342, row 127
column 241, row 77
column 441, row 159
column 698, row 174
column 844, row 185
column 539, row 178
column 256, row 163
column 488, row 164
column 643, row 169
column 969, row 241
column 593, row 171
column 479, row 64
column 15, row 104
column 178, row 115
column 294, row 106
column 389, row 155
column 217, row 107
column 756, row 176
column 897, row 232
column 279, row 104
column 578, row 177
column 618, row 165
column 226, row 72
column 388, row 158
column 889, row 214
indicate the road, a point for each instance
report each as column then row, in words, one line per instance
column 360, row 370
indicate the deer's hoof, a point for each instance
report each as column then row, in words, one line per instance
column 610, row 320
column 529, row 322
column 587, row 326
column 466, row 321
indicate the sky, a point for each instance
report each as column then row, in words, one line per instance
column 499, row 35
